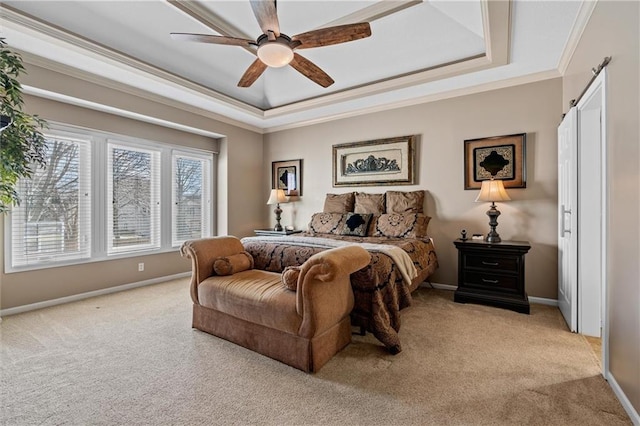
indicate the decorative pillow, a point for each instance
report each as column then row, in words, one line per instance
column 401, row 225
column 356, row 224
column 405, row 202
column 326, row 223
column 338, row 203
column 369, row 203
column 229, row 265
column 290, row 277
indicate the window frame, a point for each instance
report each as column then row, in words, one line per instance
column 84, row 210
column 98, row 157
column 155, row 198
column 206, row 193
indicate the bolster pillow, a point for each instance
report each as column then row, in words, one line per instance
column 229, row 265
column 290, row 277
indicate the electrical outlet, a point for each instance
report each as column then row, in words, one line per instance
column 140, row 267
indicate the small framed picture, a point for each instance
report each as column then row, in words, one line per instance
column 502, row 157
column 287, row 175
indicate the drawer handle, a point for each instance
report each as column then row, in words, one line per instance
column 490, row 281
column 490, row 263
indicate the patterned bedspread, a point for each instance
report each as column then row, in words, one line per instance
column 379, row 289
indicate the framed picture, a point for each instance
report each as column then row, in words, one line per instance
column 287, row 175
column 378, row 162
column 500, row 156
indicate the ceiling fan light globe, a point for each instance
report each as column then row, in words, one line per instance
column 275, row 54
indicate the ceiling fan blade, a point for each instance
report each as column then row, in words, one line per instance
column 252, row 73
column 214, row 39
column 311, row 71
column 267, row 16
column 333, row 35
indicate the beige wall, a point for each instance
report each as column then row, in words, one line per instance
column 534, row 109
column 614, row 30
column 239, row 191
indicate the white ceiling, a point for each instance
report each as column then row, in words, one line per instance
column 418, row 50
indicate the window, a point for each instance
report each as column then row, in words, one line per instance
column 53, row 220
column 191, row 197
column 134, row 190
column 102, row 196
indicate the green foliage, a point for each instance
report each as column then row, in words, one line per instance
column 22, row 144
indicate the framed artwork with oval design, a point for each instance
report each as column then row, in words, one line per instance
column 502, row 157
column 377, row 162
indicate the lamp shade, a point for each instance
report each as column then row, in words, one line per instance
column 492, row 190
column 277, row 196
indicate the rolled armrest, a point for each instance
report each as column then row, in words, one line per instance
column 203, row 252
column 324, row 287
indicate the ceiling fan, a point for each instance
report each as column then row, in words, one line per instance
column 276, row 49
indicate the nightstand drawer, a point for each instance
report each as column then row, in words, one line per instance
column 490, row 263
column 486, row 281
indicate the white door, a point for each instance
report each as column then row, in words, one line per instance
column 568, row 219
column 592, row 210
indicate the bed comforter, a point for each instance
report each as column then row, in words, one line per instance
column 380, row 291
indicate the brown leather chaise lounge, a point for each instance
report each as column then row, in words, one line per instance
column 304, row 327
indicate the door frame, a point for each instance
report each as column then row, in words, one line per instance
column 599, row 87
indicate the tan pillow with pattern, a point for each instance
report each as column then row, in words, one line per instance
column 405, row 202
column 369, row 203
column 338, row 203
column 326, row 223
column 401, row 225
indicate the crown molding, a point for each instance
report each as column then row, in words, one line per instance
column 374, row 12
column 497, row 27
column 579, row 25
column 78, row 44
column 496, row 19
column 74, row 73
column 455, row 93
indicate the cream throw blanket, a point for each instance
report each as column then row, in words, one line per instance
column 400, row 257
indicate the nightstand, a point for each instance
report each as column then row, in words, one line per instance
column 272, row 233
column 492, row 274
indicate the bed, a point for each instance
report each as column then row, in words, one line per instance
column 402, row 254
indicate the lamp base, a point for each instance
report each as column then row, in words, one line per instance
column 493, row 238
column 493, row 213
column 278, row 212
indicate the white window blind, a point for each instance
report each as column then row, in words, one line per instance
column 53, row 221
column 104, row 195
column 133, row 189
column 191, row 197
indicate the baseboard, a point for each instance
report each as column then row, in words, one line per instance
column 543, row 301
column 439, row 286
column 81, row 296
column 626, row 404
column 538, row 300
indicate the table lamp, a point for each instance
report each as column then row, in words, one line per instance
column 276, row 197
column 493, row 190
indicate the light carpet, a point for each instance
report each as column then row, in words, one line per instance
column 131, row 358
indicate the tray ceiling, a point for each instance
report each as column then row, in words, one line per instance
column 416, row 49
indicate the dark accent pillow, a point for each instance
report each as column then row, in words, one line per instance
column 290, row 277
column 405, row 202
column 326, row 223
column 338, row 203
column 369, row 203
column 229, row 265
column 356, row 224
